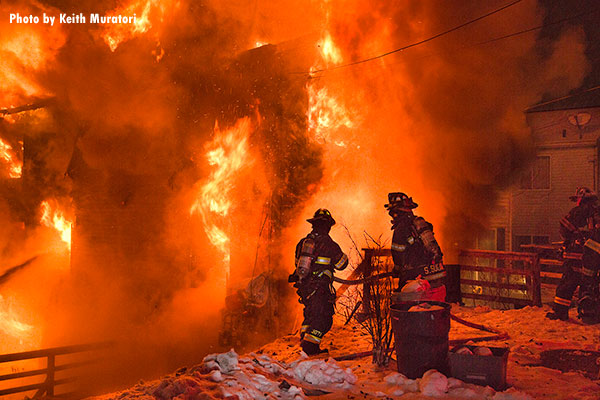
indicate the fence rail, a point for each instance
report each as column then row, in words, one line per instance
column 47, row 387
column 530, row 271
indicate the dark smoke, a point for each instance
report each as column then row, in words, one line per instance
column 125, row 139
column 458, row 104
column 131, row 131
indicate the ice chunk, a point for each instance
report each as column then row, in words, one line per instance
column 433, row 384
column 482, row 351
column 228, row 361
column 464, row 350
column 216, row 376
column 455, row 383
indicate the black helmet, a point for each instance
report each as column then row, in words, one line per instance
column 322, row 214
column 400, row 200
column 583, row 193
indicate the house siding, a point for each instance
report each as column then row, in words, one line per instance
column 573, row 153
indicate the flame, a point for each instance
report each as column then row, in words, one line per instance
column 25, row 50
column 115, row 34
column 53, row 217
column 228, row 153
column 330, row 53
column 10, row 323
column 15, row 166
column 325, row 115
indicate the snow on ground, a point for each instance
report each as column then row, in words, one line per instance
column 280, row 370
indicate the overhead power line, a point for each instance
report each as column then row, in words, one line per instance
column 421, row 41
column 560, row 21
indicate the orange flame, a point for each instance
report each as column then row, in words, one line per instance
column 10, row 323
column 325, row 114
column 330, row 53
column 228, row 153
column 24, row 51
column 15, row 166
column 54, row 218
column 115, row 34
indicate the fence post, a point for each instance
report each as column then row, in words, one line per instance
column 50, row 375
column 367, row 271
column 536, row 289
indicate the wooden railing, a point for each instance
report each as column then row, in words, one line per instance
column 47, row 387
column 530, row 272
column 552, row 260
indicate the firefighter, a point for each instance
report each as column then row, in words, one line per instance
column 588, row 307
column 575, row 228
column 317, row 256
column 415, row 251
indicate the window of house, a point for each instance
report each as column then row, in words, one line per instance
column 492, row 239
column 537, row 176
column 486, row 240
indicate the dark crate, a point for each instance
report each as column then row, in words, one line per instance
column 480, row 370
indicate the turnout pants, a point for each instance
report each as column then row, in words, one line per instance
column 318, row 301
column 571, row 278
column 589, row 306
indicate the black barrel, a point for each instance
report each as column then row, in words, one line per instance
column 421, row 338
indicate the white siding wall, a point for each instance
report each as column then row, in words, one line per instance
column 573, row 153
column 537, row 212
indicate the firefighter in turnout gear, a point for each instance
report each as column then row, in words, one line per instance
column 575, row 229
column 317, row 256
column 588, row 307
column 415, row 251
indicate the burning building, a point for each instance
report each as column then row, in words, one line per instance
column 187, row 152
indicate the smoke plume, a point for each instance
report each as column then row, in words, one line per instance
column 136, row 130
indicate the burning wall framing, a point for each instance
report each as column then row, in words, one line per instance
column 134, row 116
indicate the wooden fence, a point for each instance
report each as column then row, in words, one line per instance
column 506, row 271
column 508, row 263
column 552, row 260
column 47, row 387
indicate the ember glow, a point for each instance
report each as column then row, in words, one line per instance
column 227, row 154
column 133, row 105
column 15, row 166
column 53, row 217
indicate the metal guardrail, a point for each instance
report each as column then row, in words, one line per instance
column 47, row 387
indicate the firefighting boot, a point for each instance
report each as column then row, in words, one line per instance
column 311, row 348
column 554, row 316
column 560, row 312
column 587, row 310
column 560, row 309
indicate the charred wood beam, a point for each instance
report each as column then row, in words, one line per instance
column 11, row 271
column 28, row 107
